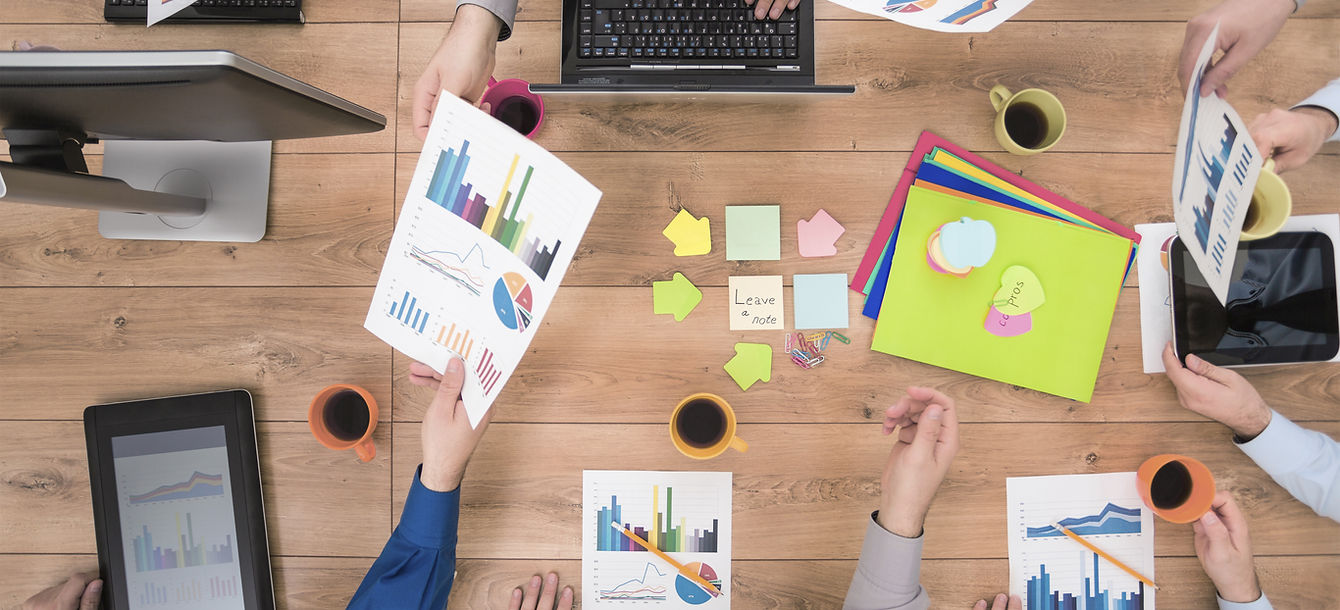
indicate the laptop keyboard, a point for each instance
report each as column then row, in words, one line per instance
column 635, row 31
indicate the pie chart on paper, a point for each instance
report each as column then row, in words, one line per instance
column 692, row 592
column 513, row 301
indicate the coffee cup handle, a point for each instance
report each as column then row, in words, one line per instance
column 1269, row 165
column 492, row 81
column 366, row 451
column 999, row 95
column 738, row 444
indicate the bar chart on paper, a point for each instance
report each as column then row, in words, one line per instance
column 1051, row 571
column 685, row 514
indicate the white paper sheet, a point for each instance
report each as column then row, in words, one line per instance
column 697, row 503
column 162, row 9
column 1155, row 300
column 1104, row 509
column 1214, row 174
column 448, row 286
column 941, row 15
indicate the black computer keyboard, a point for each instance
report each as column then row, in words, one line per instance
column 206, row 11
column 611, row 32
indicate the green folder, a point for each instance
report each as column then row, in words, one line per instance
column 938, row 318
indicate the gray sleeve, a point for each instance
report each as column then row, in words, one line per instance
column 1261, row 603
column 504, row 10
column 888, row 574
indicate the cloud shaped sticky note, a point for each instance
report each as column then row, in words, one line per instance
column 967, row 242
column 1020, row 292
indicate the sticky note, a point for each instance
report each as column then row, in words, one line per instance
column 752, row 362
column 692, row 236
column 753, row 232
column 967, row 242
column 1020, row 291
column 818, row 235
column 1002, row 325
column 820, row 300
column 756, row 302
column 676, row 296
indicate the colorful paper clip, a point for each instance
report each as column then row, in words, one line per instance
column 842, row 338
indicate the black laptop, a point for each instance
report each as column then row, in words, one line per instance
column 686, row 47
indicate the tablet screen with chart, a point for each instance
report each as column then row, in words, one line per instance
column 179, row 533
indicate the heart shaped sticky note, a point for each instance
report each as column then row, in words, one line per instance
column 967, row 242
column 1020, row 292
column 1002, row 325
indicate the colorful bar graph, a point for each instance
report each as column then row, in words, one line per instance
column 188, row 553
column 660, row 532
column 487, row 373
column 459, row 342
column 1041, row 595
column 409, row 314
column 504, row 222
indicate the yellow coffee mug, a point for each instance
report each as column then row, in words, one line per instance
column 1270, row 206
column 702, row 426
column 1027, row 122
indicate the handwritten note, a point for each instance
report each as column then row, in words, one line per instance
column 756, row 302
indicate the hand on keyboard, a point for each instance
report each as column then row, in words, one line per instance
column 461, row 66
column 771, row 9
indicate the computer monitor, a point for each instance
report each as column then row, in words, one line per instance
column 187, row 137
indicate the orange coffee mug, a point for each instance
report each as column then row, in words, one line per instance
column 343, row 416
column 1177, row 488
column 703, row 426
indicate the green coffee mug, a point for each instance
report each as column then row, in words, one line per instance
column 1270, row 207
column 1027, row 122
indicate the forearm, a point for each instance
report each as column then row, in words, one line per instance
column 1327, row 100
column 888, row 574
column 417, row 566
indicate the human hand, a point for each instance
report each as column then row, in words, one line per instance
column 1217, row 393
column 1291, row 137
column 81, row 591
column 919, row 460
column 771, row 9
column 448, row 440
column 543, row 597
column 1225, row 550
column 462, row 65
column 1245, row 27
column 1012, row 602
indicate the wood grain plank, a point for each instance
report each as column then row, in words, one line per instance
column 1137, row 10
column 353, row 61
column 602, row 356
column 804, row 492
column 90, row 13
column 44, row 492
column 1118, row 81
column 64, row 349
column 330, row 221
column 642, row 192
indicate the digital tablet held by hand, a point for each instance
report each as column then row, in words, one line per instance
column 177, row 503
column 1281, row 304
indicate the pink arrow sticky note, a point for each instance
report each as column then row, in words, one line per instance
column 817, row 235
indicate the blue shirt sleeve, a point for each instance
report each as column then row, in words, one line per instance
column 1261, row 603
column 418, row 563
column 1304, row 462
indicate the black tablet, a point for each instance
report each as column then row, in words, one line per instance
column 177, row 503
column 1281, row 303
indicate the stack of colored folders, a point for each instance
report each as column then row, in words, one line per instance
column 1080, row 258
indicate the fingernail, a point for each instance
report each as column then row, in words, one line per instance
column 96, row 588
column 553, row 578
column 934, row 413
column 535, row 581
column 1210, row 518
column 1000, row 597
column 454, row 365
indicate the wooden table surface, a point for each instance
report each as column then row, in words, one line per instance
column 89, row 320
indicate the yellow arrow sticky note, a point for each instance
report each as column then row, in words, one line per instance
column 752, row 362
column 676, row 296
column 692, row 236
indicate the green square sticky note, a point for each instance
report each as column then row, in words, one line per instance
column 939, row 319
column 753, row 232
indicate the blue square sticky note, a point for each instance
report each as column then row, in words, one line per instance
column 753, row 232
column 820, row 300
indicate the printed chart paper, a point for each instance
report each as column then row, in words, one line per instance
column 685, row 514
column 1155, row 300
column 1104, row 509
column 484, row 237
column 941, row 15
column 1214, row 174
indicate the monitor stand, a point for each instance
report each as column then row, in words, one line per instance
column 232, row 177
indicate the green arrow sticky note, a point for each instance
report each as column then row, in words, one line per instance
column 752, row 362
column 692, row 236
column 676, row 296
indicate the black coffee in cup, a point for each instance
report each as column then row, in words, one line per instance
column 1171, row 486
column 519, row 113
column 346, row 415
column 1026, row 124
column 701, row 423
